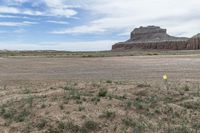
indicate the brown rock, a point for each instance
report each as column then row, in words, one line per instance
column 194, row 42
column 153, row 37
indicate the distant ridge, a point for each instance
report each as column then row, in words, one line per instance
column 154, row 37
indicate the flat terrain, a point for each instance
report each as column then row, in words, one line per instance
column 125, row 94
column 142, row 68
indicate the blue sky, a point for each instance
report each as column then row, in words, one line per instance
column 89, row 25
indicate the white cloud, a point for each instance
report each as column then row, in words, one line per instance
column 13, row 31
column 57, row 22
column 60, row 8
column 56, row 8
column 13, row 10
column 14, row 24
column 8, row 16
column 15, row 16
column 21, row 1
column 80, row 29
column 101, row 17
column 68, row 46
column 19, row 31
column 15, row 1
column 127, row 14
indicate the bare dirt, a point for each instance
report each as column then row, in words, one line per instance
column 105, row 95
column 141, row 68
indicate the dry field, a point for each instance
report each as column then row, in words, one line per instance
column 107, row 94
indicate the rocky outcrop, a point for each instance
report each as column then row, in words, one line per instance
column 173, row 45
column 150, row 33
column 153, row 37
column 194, row 42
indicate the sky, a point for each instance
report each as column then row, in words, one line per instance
column 89, row 25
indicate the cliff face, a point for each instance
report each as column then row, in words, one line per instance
column 150, row 33
column 194, row 42
column 173, row 45
column 153, row 37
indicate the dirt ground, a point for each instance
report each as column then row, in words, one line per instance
column 139, row 68
column 105, row 95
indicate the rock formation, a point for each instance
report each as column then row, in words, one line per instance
column 194, row 42
column 153, row 37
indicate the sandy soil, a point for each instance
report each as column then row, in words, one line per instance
column 140, row 68
column 103, row 95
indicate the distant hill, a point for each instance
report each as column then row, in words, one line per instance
column 154, row 37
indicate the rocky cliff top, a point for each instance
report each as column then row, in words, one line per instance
column 152, row 34
column 149, row 30
column 154, row 37
column 196, row 36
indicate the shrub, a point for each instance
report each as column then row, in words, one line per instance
column 109, row 81
column 186, row 88
column 66, row 127
column 108, row 114
column 191, row 105
column 138, row 103
column 67, row 88
column 90, row 125
column 61, row 106
column 128, row 104
column 143, row 85
column 74, row 94
column 138, row 126
column 81, row 108
column 27, row 91
column 182, row 129
column 102, row 92
column 29, row 100
column 95, row 100
column 41, row 124
column 196, row 125
column 22, row 116
column 9, row 113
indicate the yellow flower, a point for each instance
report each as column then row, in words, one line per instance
column 165, row 77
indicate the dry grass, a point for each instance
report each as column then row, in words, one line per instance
column 136, row 52
column 113, row 106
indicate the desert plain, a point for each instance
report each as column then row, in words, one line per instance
column 89, row 93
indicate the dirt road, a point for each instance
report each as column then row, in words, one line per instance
column 115, row 68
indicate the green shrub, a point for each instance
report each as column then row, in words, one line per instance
column 22, row 116
column 67, row 88
column 66, row 127
column 102, row 92
column 108, row 114
column 74, row 94
column 186, row 88
column 191, row 105
column 109, row 81
column 95, row 99
column 29, row 100
column 81, row 108
column 27, row 91
column 9, row 113
column 182, row 129
column 196, row 125
column 139, row 104
column 90, row 125
column 61, row 106
column 41, row 124
column 128, row 104
column 138, row 126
